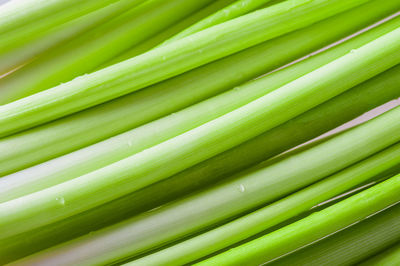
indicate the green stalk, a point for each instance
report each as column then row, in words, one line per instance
column 305, row 127
column 114, row 149
column 275, row 213
column 18, row 38
column 82, row 55
column 63, row 33
column 166, row 61
column 18, row 13
column 237, row 9
column 390, row 257
column 313, row 227
column 333, row 113
column 350, row 246
column 250, row 189
column 168, row 33
column 174, row 155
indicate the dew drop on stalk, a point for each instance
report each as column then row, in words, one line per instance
column 242, row 188
column 61, row 200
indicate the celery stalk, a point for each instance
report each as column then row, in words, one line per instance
column 15, row 13
column 248, row 190
column 167, row 61
column 82, row 55
column 62, row 33
column 275, row 213
column 388, row 258
column 18, row 38
column 174, row 155
column 109, row 151
column 313, row 227
column 310, row 124
column 171, row 31
column 232, row 11
column 350, row 246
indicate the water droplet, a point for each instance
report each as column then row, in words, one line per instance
column 130, row 144
column 236, row 88
column 61, row 200
column 154, row 209
column 242, row 188
column 353, row 51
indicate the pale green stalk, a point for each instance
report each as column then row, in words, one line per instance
column 114, row 149
column 237, row 9
column 18, row 38
column 326, row 116
column 171, row 31
column 248, row 190
column 275, row 213
column 174, row 155
column 17, row 13
column 313, row 227
column 167, row 61
column 82, row 55
column 350, row 246
column 62, row 33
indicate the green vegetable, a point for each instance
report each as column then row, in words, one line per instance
column 313, row 227
column 275, row 213
column 18, row 39
column 234, row 10
column 353, row 244
column 114, row 149
column 388, row 258
column 85, row 53
column 60, row 33
column 168, row 33
column 166, row 61
column 248, row 190
column 17, row 14
column 209, row 129
column 170, row 157
column 342, row 108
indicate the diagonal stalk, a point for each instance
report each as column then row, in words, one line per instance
column 116, row 148
column 388, row 258
column 61, row 33
column 237, row 9
column 250, row 189
column 167, row 61
column 350, row 246
column 275, row 213
column 310, row 124
column 313, row 227
column 83, row 54
column 168, row 33
column 174, row 155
